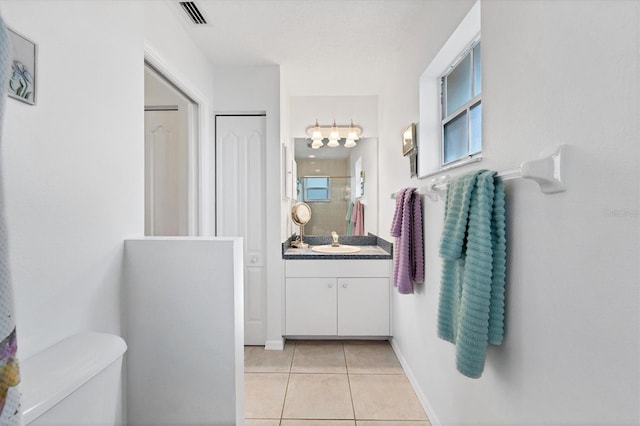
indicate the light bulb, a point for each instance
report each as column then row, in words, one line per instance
column 350, row 143
column 353, row 134
column 317, row 132
column 333, row 143
column 334, row 134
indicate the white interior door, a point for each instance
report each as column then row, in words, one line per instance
column 240, row 188
column 166, row 173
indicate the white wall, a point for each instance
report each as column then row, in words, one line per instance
column 553, row 72
column 164, row 34
column 169, row 48
column 73, row 166
column 304, row 110
column 256, row 89
column 185, row 321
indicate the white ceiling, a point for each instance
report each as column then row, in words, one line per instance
column 332, row 34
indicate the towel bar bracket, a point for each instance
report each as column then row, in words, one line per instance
column 547, row 171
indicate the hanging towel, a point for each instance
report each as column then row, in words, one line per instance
column 473, row 248
column 9, row 372
column 348, row 218
column 408, row 267
column 358, row 218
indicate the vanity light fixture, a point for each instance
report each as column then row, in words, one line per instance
column 334, row 133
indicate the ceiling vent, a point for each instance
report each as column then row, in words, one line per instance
column 194, row 13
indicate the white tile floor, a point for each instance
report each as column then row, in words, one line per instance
column 329, row 383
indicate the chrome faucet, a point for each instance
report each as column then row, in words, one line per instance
column 334, row 236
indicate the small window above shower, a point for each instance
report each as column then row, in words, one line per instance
column 316, row 188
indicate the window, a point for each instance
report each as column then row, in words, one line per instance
column 461, row 107
column 430, row 129
column 316, row 188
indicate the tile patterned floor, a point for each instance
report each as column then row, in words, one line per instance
column 329, row 383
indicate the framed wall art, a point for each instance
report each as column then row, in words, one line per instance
column 409, row 140
column 23, row 79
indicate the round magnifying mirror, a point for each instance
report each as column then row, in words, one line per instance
column 300, row 215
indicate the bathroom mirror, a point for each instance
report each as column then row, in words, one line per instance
column 329, row 180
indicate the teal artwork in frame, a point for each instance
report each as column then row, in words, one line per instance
column 23, row 80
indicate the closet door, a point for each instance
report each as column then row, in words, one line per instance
column 240, row 201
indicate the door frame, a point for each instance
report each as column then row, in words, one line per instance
column 199, row 140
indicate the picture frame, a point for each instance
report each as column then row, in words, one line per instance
column 409, row 139
column 23, row 79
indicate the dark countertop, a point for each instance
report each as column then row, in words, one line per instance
column 371, row 247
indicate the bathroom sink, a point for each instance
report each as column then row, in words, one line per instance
column 341, row 249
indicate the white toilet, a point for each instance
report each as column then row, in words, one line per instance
column 77, row 381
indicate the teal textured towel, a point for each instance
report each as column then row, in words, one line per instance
column 348, row 218
column 473, row 248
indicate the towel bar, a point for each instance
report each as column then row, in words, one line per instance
column 546, row 171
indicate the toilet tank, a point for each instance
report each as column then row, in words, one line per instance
column 77, row 381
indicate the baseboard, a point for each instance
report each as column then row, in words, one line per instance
column 414, row 383
column 274, row 345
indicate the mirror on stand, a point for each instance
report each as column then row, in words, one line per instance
column 300, row 215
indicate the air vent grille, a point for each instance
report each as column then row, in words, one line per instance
column 191, row 9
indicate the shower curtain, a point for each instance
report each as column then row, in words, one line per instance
column 10, row 413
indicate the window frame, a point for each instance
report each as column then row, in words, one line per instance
column 305, row 189
column 428, row 129
column 465, row 108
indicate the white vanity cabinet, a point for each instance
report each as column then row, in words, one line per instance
column 337, row 297
column 311, row 306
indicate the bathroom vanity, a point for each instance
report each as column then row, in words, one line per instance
column 332, row 295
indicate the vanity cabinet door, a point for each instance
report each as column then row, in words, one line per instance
column 311, row 307
column 363, row 307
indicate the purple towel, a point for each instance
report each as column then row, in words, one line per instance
column 408, row 266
